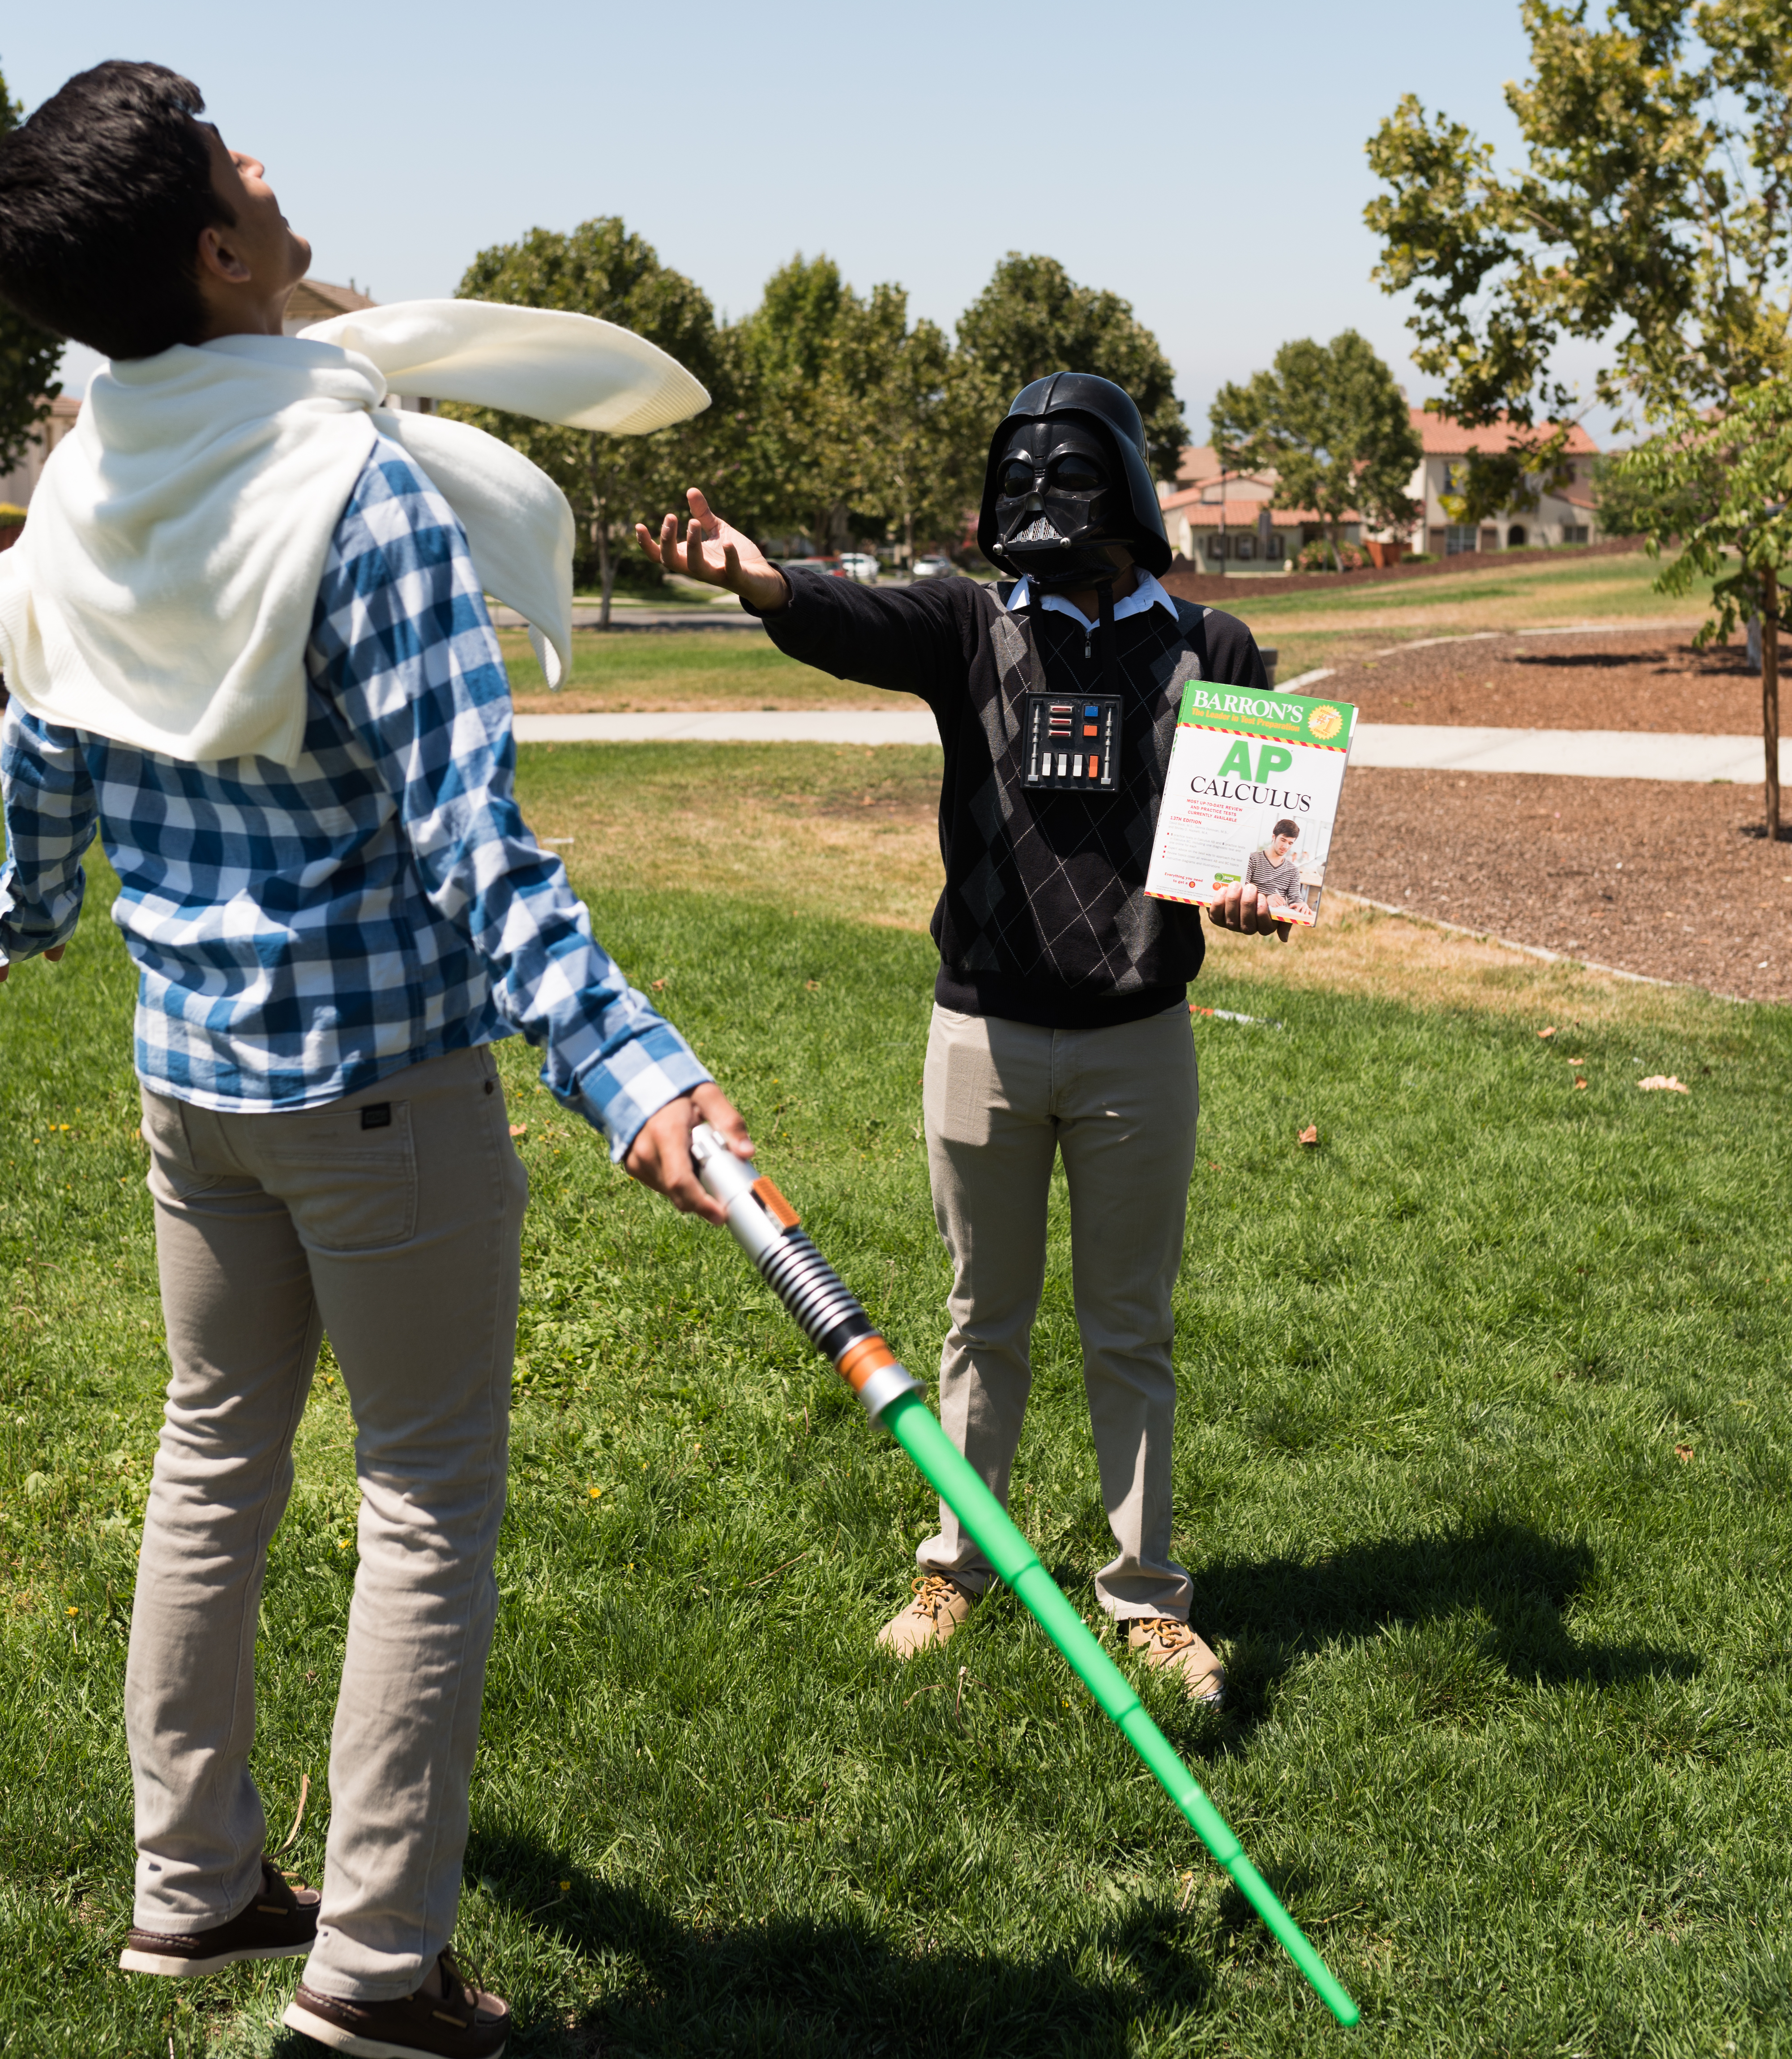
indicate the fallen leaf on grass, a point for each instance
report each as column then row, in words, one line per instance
column 1310, row 1134
column 1658, row 1082
column 1683, row 1452
column 659, row 986
column 517, row 1128
column 1580, row 1083
column 1577, row 1061
column 1549, row 1032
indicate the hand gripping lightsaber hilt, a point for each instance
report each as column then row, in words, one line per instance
column 768, row 1230
column 764, row 1225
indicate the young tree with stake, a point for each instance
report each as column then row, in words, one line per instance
column 1744, row 544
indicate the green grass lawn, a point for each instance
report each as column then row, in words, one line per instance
column 1482, row 1471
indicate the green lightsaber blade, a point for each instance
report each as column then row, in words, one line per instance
column 765, row 1227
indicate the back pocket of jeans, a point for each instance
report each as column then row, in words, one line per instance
column 348, row 1189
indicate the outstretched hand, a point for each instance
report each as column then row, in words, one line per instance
column 715, row 552
column 660, row 1155
column 1246, row 910
column 53, row 954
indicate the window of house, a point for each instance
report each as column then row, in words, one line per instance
column 1458, row 538
column 1574, row 532
column 1247, row 547
column 1278, row 548
column 1216, row 545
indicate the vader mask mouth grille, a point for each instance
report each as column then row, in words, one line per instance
column 1039, row 531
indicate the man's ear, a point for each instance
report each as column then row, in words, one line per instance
column 218, row 260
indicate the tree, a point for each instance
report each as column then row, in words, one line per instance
column 797, row 460
column 29, row 357
column 901, row 415
column 1031, row 319
column 602, row 269
column 1331, row 423
column 1736, row 464
column 1655, row 210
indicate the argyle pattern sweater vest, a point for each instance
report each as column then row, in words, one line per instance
column 1044, row 917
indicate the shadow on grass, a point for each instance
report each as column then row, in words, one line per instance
column 795, row 1987
column 1509, row 1580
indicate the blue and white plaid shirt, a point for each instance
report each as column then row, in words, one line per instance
column 302, row 931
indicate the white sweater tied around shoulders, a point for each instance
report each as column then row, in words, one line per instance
column 162, row 591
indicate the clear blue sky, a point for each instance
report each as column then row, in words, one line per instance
column 1205, row 161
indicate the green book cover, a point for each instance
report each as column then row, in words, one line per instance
column 1250, row 796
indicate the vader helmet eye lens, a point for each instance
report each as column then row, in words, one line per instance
column 1075, row 473
column 1016, row 478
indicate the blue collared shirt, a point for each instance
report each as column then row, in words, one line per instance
column 301, row 931
column 1148, row 593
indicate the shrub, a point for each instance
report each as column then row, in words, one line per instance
column 1317, row 557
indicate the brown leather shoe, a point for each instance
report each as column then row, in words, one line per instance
column 940, row 1605
column 279, row 1923
column 463, row 2022
column 1165, row 1641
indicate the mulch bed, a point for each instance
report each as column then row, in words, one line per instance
column 1649, row 679
column 1674, row 881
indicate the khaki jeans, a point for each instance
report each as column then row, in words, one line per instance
column 1001, row 1100
column 392, row 1219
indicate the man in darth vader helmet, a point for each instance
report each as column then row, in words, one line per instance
column 1060, row 1022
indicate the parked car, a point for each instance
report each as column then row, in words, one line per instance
column 833, row 567
column 860, row 565
column 934, row 568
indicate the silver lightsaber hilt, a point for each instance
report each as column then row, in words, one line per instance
column 767, row 1229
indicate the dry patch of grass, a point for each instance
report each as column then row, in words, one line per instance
column 1357, row 948
column 846, row 831
column 832, row 829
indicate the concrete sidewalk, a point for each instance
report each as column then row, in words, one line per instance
column 1606, row 754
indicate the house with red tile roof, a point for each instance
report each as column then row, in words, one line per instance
column 1563, row 515
column 1222, row 519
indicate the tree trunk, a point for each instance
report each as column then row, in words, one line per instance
column 600, row 536
column 1770, row 695
column 908, row 538
column 605, row 572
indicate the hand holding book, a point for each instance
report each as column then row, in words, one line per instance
column 1247, row 910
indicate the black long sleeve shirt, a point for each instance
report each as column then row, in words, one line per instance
column 1044, row 918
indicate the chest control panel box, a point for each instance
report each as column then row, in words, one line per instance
column 1073, row 743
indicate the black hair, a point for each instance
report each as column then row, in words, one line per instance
column 103, row 194
column 1284, row 828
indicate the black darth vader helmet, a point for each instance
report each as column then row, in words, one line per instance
column 1067, row 477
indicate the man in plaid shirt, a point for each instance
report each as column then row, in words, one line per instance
column 327, row 951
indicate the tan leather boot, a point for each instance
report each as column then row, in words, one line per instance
column 1165, row 1641
column 940, row 1605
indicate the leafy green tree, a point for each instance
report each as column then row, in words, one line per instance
column 1328, row 420
column 1031, row 319
column 602, row 269
column 1733, row 469
column 1653, row 209
column 901, row 415
column 29, row 355
column 797, row 458
column 850, row 415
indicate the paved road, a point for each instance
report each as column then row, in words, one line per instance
column 1411, row 747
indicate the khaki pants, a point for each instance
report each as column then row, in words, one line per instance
column 402, row 1240
column 1001, row 1099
